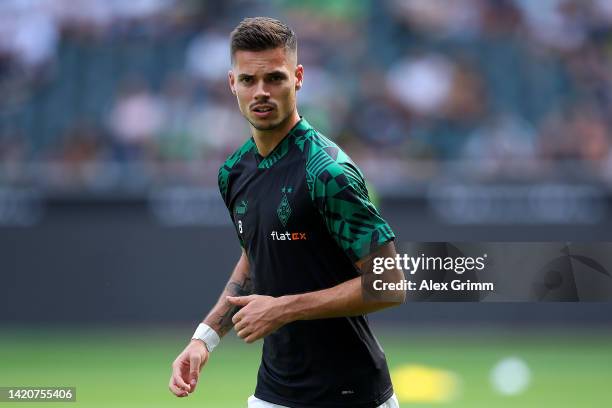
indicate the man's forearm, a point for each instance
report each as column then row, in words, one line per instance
column 261, row 315
column 347, row 298
column 239, row 284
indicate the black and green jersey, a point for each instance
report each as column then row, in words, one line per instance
column 304, row 218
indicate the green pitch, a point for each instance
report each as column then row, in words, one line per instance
column 113, row 367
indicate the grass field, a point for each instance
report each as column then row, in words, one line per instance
column 113, row 367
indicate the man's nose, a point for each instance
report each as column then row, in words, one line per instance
column 260, row 91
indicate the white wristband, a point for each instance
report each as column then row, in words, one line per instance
column 210, row 337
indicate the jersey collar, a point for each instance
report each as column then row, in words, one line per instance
column 281, row 149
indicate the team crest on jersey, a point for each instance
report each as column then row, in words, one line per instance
column 284, row 209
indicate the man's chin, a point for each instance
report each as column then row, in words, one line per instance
column 265, row 124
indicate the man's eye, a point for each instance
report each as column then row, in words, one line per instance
column 277, row 78
column 246, row 80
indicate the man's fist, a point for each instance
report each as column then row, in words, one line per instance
column 186, row 368
column 259, row 316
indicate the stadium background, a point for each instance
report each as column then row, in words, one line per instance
column 473, row 120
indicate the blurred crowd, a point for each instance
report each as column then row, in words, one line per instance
column 100, row 94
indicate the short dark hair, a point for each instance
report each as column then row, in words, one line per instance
column 260, row 34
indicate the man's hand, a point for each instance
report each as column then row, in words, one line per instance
column 186, row 368
column 259, row 316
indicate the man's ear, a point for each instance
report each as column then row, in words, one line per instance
column 232, row 81
column 299, row 76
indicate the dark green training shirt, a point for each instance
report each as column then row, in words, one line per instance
column 304, row 218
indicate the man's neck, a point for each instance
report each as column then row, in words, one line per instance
column 267, row 140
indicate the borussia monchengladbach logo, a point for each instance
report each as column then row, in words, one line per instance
column 284, row 209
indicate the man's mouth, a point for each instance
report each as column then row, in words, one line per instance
column 263, row 108
column 262, row 111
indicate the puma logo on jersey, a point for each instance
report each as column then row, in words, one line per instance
column 242, row 207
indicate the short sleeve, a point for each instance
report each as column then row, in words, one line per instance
column 340, row 194
column 223, row 181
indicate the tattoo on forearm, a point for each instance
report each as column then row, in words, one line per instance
column 233, row 288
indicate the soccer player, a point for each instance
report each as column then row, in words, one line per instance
column 308, row 233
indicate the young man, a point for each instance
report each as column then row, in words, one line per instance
column 308, row 232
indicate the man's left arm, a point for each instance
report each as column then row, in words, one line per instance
column 261, row 315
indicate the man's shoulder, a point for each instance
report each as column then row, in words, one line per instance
column 230, row 162
column 323, row 156
column 237, row 155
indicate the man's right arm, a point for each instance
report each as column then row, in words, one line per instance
column 186, row 368
column 239, row 284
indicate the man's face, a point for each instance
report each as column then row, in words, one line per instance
column 265, row 84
